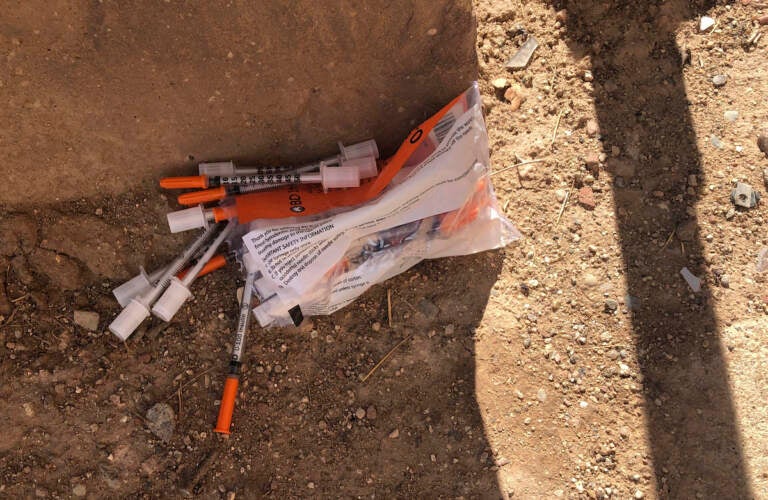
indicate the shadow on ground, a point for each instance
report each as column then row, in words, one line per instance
column 642, row 109
column 75, row 401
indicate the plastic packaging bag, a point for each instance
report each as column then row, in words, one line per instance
column 440, row 204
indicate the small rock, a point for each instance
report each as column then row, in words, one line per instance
column 515, row 97
column 687, row 230
column 428, row 309
column 587, row 198
column 161, row 421
column 706, row 23
column 592, row 128
column 394, row 434
column 762, row 142
column 611, row 306
column 376, row 326
column 527, row 342
column 624, row 370
column 371, row 413
column 731, row 115
column 79, row 490
column 541, row 395
column 624, row 432
column 560, row 195
column 590, row 280
column 719, row 80
column 360, row 413
column 744, row 196
column 765, row 177
column 725, row 281
column 87, row 319
column 763, row 20
column 588, row 76
column 716, row 142
column 605, row 337
column 639, row 495
column 592, row 163
column 693, row 180
column 730, row 214
column 500, row 84
column 561, row 16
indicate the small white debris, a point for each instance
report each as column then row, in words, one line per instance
column 706, row 23
column 693, row 281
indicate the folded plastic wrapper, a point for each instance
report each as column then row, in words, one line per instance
column 440, row 204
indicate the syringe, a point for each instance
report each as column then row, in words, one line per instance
column 137, row 309
column 227, row 407
column 227, row 168
column 142, row 282
column 328, row 177
column 366, row 168
column 178, row 292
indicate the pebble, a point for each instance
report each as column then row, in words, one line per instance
column 161, row 421
column 730, row 214
column 376, row 326
column 79, row 490
column 765, row 177
column 87, row 319
column 588, row 76
column 725, row 281
column 541, row 395
column 762, row 143
column 515, row 97
column 731, row 115
column 605, row 337
column 587, row 198
column 624, row 370
column 500, row 83
column 763, row 20
column 371, row 413
column 592, row 163
column 719, row 80
column 639, row 494
column 560, row 195
column 716, row 142
column 611, row 305
column 394, row 434
column 360, row 413
column 592, row 128
column 590, row 280
column 706, row 23
column 744, row 196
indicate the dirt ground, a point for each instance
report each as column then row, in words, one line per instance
column 576, row 363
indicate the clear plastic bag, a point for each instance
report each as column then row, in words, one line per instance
column 440, row 204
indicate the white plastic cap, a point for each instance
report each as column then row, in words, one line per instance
column 189, row 218
column 132, row 288
column 219, row 168
column 339, row 177
column 366, row 166
column 359, row 150
column 174, row 297
column 129, row 319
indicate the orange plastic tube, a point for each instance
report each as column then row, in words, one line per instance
column 216, row 262
column 197, row 181
column 205, row 196
column 227, row 407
